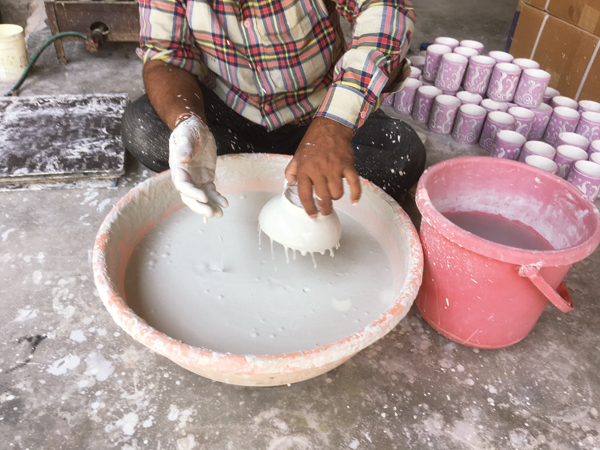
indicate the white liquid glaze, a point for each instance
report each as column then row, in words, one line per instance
column 210, row 285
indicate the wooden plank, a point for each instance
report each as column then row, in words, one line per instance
column 121, row 18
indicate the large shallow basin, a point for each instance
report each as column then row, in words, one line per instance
column 155, row 199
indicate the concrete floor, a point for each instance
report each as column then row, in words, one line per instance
column 71, row 379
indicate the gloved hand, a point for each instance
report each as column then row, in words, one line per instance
column 193, row 160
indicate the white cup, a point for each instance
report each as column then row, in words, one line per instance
column 13, row 53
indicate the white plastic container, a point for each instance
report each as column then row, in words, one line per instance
column 13, row 53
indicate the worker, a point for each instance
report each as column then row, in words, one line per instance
column 274, row 76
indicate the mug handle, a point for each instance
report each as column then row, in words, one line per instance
column 559, row 297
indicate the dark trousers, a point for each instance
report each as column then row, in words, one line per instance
column 387, row 151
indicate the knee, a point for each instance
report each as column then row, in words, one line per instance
column 144, row 135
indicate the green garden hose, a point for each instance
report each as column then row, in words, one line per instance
column 38, row 53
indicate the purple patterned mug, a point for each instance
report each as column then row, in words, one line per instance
column 594, row 147
column 531, row 88
column 423, row 103
column 433, row 58
column 547, row 165
column 492, row 105
column 542, row 117
column 585, row 176
column 443, row 113
column 561, row 100
column 525, row 63
column 450, row 42
column 417, row 61
column 451, row 72
column 466, row 52
column 467, row 97
column 494, row 122
column 563, row 120
column 572, row 139
column 501, row 57
column 538, row 148
column 588, row 105
column 508, row 144
column 478, row 46
column 415, row 72
column 468, row 124
column 478, row 74
column 523, row 119
column 405, row 98
column 589, row 126
column 566, row 155
column 503, row 83
column 549, row 94
column 388, row 99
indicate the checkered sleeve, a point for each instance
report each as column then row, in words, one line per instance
column 382, row 33
column 165, row 34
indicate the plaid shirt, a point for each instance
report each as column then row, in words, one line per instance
column 282, row 61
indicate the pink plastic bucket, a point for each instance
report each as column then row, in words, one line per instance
column 487, row 295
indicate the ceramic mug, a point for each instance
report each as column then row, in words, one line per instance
column 469, row 98
column 523, row 119
column 537, row 148
column 566, row 155
column 451, row 72
column 478, row 74
column 504, row 81
column 594, row 147
column 468, row 124
column 531, row 88
column 588, row 105
column 415, row 72
column 549, row 94
column 585, row 176
column 501, row 57
column 443, row 114
column 540, row 162
column 405, row 98
column 572, row 139
column 477, row 46
column 563, row 119
column 450, row 42
column 492, row 105
column 508, row 144
column 417, row 61
column 589, row 125
column 433, row 59
column 525, row 63
column 466, row 52
column 423, row 103
column 494, row 122
column 542, row 116
column 388, row 99
column 561, row 100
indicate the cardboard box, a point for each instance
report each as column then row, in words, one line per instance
column 567, row 52
column 584, row 14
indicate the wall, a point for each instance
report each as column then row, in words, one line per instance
column 29, row 14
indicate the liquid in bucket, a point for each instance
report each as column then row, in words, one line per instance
column 500, row 230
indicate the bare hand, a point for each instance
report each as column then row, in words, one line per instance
column 322, row 160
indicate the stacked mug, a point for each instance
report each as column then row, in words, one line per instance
column 505, row 105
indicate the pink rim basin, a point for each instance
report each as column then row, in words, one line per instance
column 142, row 208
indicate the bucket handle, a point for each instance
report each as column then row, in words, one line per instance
column 559, row 297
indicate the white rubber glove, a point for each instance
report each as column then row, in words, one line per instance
column 193, row 160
